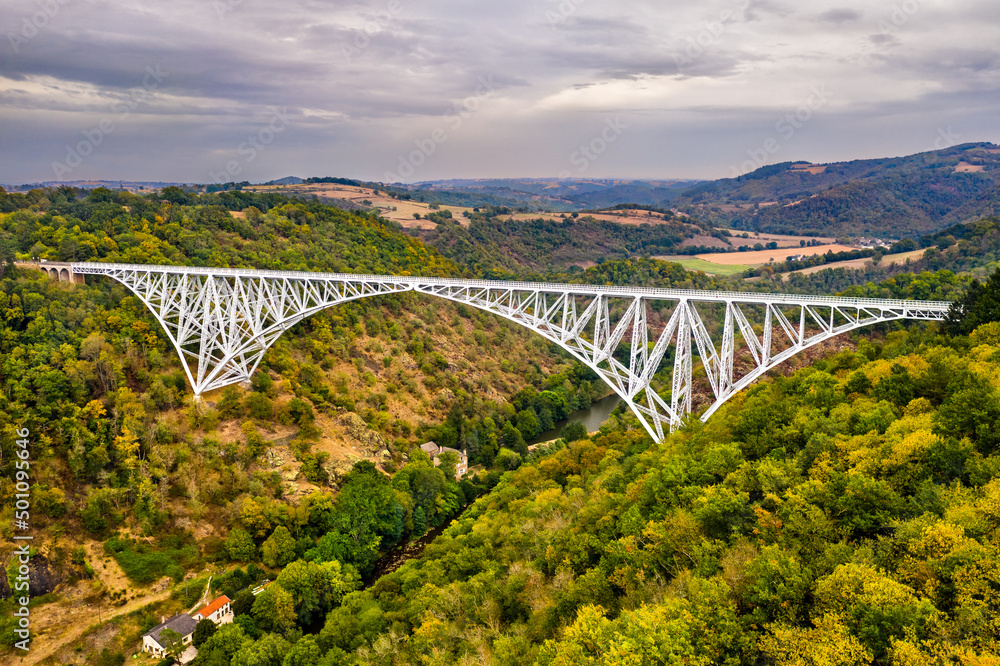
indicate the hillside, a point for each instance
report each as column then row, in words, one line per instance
column 129, row 475
column 891, row 197
column 497, row 240
column 494, row 241
column 564, row 193
column 942, row 265
column 844, row 515
column 783, row 521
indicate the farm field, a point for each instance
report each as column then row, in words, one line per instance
column 903, row 257
column 893, row 259
column 403, row 211
column 389, row 208
column 782, row 240
column 635, row 217
column 717, row 264
column 708, row 267
column 759, row 257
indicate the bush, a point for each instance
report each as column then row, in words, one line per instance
column 231, row 405
column 260, row 406
column 109, row 658
column 279, row 549
column 144, row 565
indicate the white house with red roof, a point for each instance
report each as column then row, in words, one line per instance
column 219, row 611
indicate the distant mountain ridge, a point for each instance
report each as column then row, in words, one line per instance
column 898, row 196
column 893, row 197
column 568, row 193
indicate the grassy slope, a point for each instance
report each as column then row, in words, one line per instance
column 711, row 268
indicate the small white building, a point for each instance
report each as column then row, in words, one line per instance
column 182, row 624
column 434, row 451
column 219, row 611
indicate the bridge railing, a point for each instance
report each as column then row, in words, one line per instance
column 648, row 292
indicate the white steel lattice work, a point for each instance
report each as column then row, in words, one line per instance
column 222, row 321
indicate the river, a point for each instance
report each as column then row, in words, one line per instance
column 592, row 418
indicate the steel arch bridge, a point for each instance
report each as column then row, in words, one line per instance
column 222, row 321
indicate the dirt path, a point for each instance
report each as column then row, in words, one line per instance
column 204, row 597
column 48, row 645
column 66, row 621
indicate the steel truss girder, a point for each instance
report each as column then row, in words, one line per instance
column 222, row 322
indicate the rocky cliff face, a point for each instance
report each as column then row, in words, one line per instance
column 371, row 445
column 42, row 578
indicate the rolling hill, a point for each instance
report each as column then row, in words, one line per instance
column 895, row 197
column 892, row 197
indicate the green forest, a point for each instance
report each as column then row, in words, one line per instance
column 844, row 513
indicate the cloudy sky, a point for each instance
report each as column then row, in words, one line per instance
column 211, row 90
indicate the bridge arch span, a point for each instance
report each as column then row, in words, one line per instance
column 222, row 322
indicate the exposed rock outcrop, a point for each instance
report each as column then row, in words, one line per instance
column 371, row 441
column 41, row 578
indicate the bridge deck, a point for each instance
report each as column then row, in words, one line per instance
column 624, row 291
column 222, row 321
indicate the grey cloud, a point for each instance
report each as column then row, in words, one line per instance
column 840, row 16
column 951, row 67
column 363, row 80
column 883, row 39
column 757, row 10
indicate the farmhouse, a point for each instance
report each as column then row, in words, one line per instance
column 181, row 624
column 219, row 611
column 434, row 451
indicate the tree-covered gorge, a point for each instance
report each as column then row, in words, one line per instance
column 847, row 514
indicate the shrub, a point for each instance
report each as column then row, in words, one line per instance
column 143, row 564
